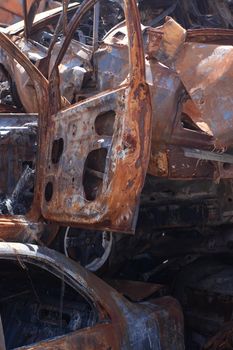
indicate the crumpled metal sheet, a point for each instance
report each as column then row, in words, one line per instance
column 23, row 83
column 208, row 78
column 205, row 70
column 74, row 66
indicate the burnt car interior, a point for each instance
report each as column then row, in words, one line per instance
column 180, row 209
column 35, row 305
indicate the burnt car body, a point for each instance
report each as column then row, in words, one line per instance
column 50, row 302
column 117, row 151
column 122, row 131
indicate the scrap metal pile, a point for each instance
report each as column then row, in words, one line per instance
column 116, row 159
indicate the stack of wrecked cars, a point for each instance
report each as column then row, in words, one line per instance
column 116, row 158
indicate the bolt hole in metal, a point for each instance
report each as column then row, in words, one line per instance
column 57, row 150
column 48, row 191
column 91, row 248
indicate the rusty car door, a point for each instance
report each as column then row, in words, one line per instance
column 101, row 336
column 96, row 152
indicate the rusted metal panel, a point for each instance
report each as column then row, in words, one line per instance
column 204, row 75
column 18, row 229
column 100, row 337
column 196, row 111
column 137, row 291
column 114, row 198
column 70, row 127
column 12, row 11
column 210, row 35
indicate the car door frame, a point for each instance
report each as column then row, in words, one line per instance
column 116, row 207
column 50, row 102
